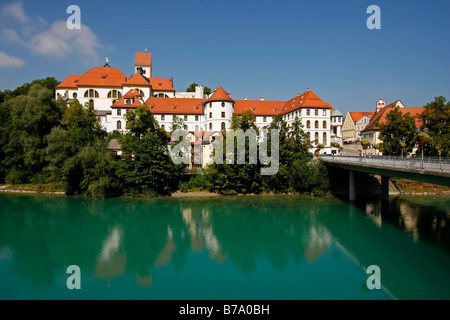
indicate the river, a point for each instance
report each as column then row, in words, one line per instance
column 241, row 247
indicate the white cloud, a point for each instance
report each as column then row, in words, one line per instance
column 59, row 41
column 16, row 11
column 11, row 36
column 9, row 61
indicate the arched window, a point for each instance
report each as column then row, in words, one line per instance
column 316, row 124
column 91, row 93
column 222, row 126
column 185, row 127
column 324, row 124
column 308, row 135
column 119, row 125
column 316, row 137
column 223, row 104
column 114, row 94
column 163, row 127
column 91, row 102
column 210, row 126
column 308, row 124
column 75, row 95
column 324, row 138
column 140, row 92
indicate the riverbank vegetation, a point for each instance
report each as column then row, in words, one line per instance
column 48, row 145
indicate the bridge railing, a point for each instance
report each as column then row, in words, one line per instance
column 428, row 163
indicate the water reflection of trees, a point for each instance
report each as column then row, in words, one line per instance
column 116, row 236
column 422, row 218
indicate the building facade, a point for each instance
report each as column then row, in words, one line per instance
column 112, row 94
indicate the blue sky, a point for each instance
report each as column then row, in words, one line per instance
column 274, row 49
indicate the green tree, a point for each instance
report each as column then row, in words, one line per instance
column 435, row 120
column 146, row 166
column 82, row 125
column 31, row 117
column 237, row 177
column 191, row 88
column 49, row 83
column 398, row 133
column 177, row 123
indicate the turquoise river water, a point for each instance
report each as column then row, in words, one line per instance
column 252, row 247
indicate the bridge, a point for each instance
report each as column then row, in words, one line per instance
column 434, row 170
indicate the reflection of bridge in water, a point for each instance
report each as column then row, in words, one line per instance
column 428, row 169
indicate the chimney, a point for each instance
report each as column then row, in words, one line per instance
column 262, row 98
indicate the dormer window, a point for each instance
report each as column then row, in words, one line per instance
column 128, row 101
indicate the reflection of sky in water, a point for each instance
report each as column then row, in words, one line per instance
column 309, row 248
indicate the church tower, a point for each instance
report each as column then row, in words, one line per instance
column 143, row 64
column 380, row 105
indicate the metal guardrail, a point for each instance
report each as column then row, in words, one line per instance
column 425, row 163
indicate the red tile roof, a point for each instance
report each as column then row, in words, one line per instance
column 380, row 116
column 161, row 84
column 137, row 80
column 356, row 116
column 307, row 99
column 102, row 77
column 175, row 105
column 143, row 59
column 69, row 82
column 258, row 107
column 134, row 95
column 220, row 95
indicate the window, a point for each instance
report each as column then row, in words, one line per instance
column 316, row 112
column 185, row 127
column 316, row 124
column 264, row 119
column 119, row 125
column 210, row 115
column 196, row 128
column 324, row 125
column 160, row 95
column 114, row 94
column 163, row 117
column 324, row 138
column 140, row 92
column 210, row 104
column 185, row 118
column 308, row 112
column 223, row 114
column 91, row 93
column 91, row 102
column 119, row 112
column 324, row 112
column 196, row 118
column 316, row 137
column 308, row 124
column 75, row 95
column 223, row 104
column 163, row 127
column 210, row 126
column 128, row 101
column 308, row 135
column 223, row 126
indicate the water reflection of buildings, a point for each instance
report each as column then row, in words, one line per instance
column 202, row 234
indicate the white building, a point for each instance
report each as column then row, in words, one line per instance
column 112, row 94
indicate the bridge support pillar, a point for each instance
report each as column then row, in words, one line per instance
column 351, row 186
column 385, row 188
